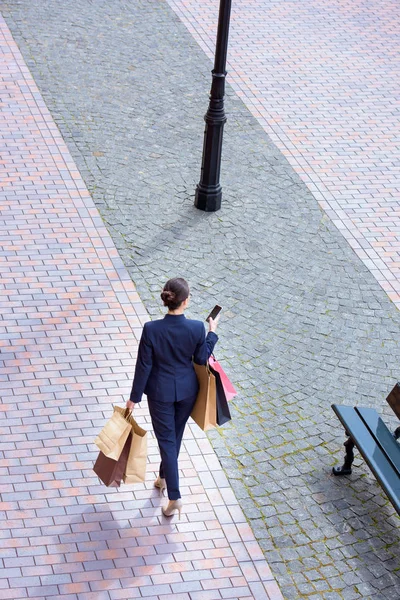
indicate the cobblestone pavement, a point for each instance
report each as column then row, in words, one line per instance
column 305, row 322
column 322, row 79
column 70, row 321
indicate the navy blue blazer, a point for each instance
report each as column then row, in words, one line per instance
column 164, row 369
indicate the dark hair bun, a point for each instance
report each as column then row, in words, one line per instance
column 175, row 292
column 167, row 296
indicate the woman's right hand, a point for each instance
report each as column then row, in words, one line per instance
column 213, row 324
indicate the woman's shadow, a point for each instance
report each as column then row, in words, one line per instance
column 116, row 544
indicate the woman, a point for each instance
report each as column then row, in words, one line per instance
column 164, row 372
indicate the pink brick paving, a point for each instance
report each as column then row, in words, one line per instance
column 70, row 321
column 322, row 78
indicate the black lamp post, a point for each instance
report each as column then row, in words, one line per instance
column 209, row 191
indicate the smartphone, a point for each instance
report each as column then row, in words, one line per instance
column 215, row 311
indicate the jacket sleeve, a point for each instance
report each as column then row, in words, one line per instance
column 205, row 347
column 143, row 367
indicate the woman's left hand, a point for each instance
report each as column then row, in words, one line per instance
column 213, row 323
column 130, row 405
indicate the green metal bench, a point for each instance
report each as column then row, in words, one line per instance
column 378, row 446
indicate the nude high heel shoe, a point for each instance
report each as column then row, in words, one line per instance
column 161, row 484
column 173, row 507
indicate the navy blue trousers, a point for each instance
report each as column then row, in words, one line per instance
column 169, row 420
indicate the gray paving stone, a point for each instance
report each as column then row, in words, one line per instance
column 304, row 324
column 331, row 596
column 305, row 589
column 351, row 594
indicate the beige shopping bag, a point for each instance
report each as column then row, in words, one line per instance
column 204, row 412
column 111, row 439
column 135, row 470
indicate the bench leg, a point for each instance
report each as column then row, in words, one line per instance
column 348, row 459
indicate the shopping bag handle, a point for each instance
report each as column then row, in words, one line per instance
column 127, row 413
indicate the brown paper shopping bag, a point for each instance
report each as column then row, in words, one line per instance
column 111, row 471
column 204, row 412
column 114, row 434
column 135, row 468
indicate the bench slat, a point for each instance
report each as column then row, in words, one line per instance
column 371, row 452
column 382, row 434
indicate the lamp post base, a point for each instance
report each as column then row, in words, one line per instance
column 209, row 201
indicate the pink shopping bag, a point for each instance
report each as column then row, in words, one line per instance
column 229, row 390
